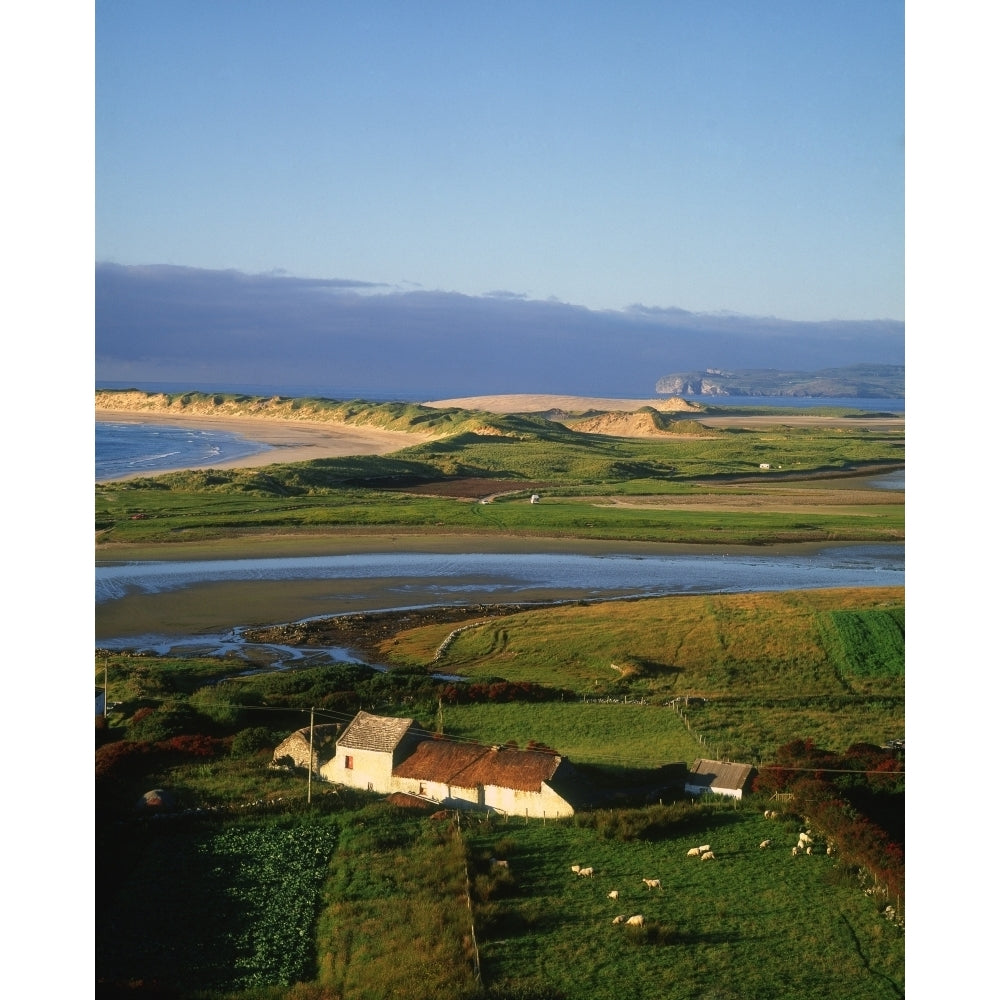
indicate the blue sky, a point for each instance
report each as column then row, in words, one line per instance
column 711, row 156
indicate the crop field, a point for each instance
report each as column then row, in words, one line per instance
column 873, row 642
column 210, row 907
column 369, row 901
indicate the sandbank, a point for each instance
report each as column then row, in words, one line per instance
column 290, row 440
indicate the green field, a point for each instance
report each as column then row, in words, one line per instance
column 366, row 901
column 268, row 886
column 582, row 472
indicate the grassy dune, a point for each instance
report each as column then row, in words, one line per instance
column 509, row 456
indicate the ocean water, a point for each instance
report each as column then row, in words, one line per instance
column 125, row 449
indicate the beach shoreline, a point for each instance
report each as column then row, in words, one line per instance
column 288, row 440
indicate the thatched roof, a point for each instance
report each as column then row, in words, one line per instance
column 471, row 765
column 720, row 774
column 374, row 732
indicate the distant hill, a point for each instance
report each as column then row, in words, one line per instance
column 860, row 381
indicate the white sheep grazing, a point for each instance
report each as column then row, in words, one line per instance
column 637, row 921
column 765, row 843
column 708, row 856
column 829, row 849
column 804, row 839
column 704, row 848
column 586, row 872
column 652, row 883
column 795, row 850
column 693, row 853
column 620, row 919
column 613, row 894
column 809, row 850
column 575, row 869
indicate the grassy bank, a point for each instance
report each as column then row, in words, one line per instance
column 676, row 486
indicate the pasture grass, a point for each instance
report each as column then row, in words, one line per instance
column 396, row 922
column 614, row 734
column 769, row 642
column 753, row 924
column 769, row 666
column 376, row 905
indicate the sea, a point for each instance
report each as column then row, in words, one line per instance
column 123, row 449
column 127, row 449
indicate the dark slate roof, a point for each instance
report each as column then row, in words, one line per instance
column 470, row 765
column 720, row 774
column 374, row 732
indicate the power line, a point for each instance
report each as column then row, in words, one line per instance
column 345, row 717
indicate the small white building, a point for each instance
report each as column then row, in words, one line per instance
column 369, row 749
column 720, row 777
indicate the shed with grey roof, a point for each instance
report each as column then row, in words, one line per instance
column 722, row 777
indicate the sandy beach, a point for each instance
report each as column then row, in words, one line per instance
column 290, row 440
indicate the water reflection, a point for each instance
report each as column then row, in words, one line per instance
column 414, row 579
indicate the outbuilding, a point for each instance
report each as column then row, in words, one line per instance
column 720, row 777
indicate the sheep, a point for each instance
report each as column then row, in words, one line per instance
column 704, row 848
column 575, row 869
column 765, row 843
column 637, row 921
column 613, row 894
column 795, row 850
column 620, row 919
column 652, row 883
column 586, row 872
column 693, row 853
column 804, row 839
column 829, row 850
column 708, row 855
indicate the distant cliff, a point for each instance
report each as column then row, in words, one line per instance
column 856, row 381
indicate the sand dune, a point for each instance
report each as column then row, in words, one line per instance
column 542, row 403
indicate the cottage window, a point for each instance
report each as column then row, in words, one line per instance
column 349, row 763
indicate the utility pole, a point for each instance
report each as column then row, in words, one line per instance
column 309, row 786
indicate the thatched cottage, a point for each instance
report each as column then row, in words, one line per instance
column 390, row 755
column 720, row 777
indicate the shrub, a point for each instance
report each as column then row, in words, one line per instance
column 248, row 742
